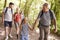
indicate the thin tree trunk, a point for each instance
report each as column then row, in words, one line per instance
column 19, row 3
column 5, row 2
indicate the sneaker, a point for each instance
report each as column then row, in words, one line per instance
column 17, row 36
column 10, row 36
column 6, row 38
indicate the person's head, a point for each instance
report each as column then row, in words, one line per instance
column 24, row 20
column 45, row 7
column 17, row 10
column 11, row 5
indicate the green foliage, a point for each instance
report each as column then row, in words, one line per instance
column 55, row 6
column 1, row 6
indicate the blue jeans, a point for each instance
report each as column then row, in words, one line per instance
column 22, row 37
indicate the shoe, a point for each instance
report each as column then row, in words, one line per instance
column 17, row 36
column 6, row 38
column 10, row 36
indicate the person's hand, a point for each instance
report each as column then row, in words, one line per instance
column 55, row 30
column 31, row 29
column 33, row 25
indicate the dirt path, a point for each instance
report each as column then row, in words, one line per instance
column 33, row 35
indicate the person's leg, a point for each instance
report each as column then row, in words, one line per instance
column 6, row 29
column 26, row 37
column 10, row 29
column 41, row 33
column 10, row 33
column 17, row 32
column 6, row 32
column 22, row 37
column 46, row 33
column 15, row 26
column 17, row 29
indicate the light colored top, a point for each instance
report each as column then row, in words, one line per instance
column 8, row 14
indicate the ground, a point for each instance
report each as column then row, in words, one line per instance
column 33, row 35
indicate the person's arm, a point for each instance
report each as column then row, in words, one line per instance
column 55, row 25
column 35, row 23
column 2, row 17
column 3, row 13
column 29, row 26
column 54, row 22
column 13, row 15
column 38, row 18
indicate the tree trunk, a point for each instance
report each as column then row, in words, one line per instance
column 19, row 3
column 5, row 2
column 27, row 7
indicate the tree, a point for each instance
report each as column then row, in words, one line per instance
column 27, row 7
column 19, row 3
column 5, row 2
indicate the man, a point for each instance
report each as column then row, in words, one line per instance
column 45, row 17
column 7, row 18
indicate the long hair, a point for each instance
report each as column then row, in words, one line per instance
column 22, row 21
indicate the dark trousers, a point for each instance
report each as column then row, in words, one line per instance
column 44, row 32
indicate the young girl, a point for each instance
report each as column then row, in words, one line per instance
column 17, row 20
column 24, row 29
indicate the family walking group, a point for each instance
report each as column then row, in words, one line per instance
column 45, row 17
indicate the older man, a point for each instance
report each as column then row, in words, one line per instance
column 45, row 17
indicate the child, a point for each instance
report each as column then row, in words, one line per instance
column 17, row 20
column 24, row 29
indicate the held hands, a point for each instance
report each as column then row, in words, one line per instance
column 32, row 29
column 33, row 26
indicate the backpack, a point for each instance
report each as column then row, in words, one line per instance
column 7, row 9
column 51, row 14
